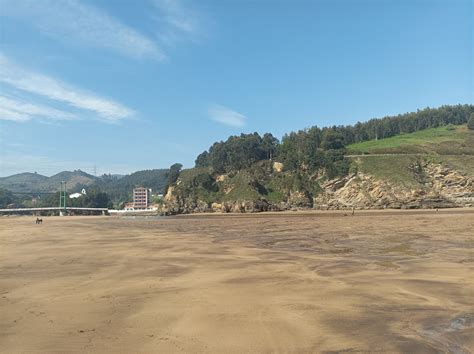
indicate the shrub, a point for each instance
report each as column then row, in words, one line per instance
column 470, row 123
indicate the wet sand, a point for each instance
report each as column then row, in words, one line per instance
column 288, row 282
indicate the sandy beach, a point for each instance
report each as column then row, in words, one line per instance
column 381, row 282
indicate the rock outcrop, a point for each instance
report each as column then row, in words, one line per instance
column 439, row 187
column 433, row 186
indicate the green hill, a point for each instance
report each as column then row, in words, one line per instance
column 75, row 181
column 447, row 140
column 33, row 182
column 395, row 159
column 424, row 169
column 22, row 182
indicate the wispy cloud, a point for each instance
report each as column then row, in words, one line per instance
column 21, row 111
column 177, row 21
column 51, row 88
column 6, row 114
column 72, row 20
column 227, row 116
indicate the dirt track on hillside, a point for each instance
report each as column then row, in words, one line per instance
column 290, row 282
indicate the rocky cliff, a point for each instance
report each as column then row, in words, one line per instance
column 439, row 187
column 387, row 182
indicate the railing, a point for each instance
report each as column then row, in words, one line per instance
column 49, row 209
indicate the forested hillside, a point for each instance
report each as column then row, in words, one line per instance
column 252, row 172
column 120, row 189
column 314, row 148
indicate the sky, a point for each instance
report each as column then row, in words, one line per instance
column 118, row 86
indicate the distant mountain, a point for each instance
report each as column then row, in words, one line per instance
column 75, row 180
column 22, row 182
column 33, row 182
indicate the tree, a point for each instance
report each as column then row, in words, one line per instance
column 93, row 199
column 332, row 141
column 173, row 175
column 6, row 197
column 269, row 145
column 470, row 123
column 238, row 152
column 202, row 160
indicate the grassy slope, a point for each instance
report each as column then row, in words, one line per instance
column 464, row 164
column 393, row 169
column 401, row 169
column 448, row 140
column 453, row 148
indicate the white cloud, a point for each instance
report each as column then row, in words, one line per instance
column 20, row 111
column 6, row 114
column 176, row 20
column 54, row 89
column 72, row 20
column 227, row 116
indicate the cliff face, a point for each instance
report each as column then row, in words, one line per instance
column 389, row 182
column 439, row 187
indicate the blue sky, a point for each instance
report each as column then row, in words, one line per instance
column 125, row 85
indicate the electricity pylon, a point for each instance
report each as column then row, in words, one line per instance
column 62, row 197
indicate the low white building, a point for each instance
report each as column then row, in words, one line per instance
column 77, row 195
